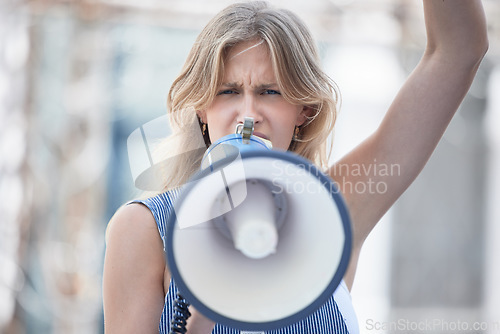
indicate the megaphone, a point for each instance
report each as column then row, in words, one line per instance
column 259, row 239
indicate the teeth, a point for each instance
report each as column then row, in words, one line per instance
column 266, row 141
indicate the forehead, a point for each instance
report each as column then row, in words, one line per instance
column 251, row 57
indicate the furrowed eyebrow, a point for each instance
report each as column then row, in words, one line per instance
column 267, row 86
column 231, row 85
column 237, row 85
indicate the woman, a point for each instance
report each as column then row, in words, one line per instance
column 253, row 60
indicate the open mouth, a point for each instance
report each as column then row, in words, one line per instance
column 260, row 135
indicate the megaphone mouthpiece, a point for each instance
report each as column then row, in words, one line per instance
column 252, row 224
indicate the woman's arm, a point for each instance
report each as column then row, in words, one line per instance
column 135, row 273
column 417, row 118
column 134, row 268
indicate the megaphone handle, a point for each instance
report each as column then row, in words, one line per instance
column 181, row 314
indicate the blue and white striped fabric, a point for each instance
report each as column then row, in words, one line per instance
column 326, row 320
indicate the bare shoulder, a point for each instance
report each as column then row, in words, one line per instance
column 132, row 238
column 133, row 220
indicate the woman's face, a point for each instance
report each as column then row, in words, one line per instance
column 249, row 89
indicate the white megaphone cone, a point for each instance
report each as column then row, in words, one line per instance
column 259, row 238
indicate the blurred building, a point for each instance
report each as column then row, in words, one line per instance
column 77, row 77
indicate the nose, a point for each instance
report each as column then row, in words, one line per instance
column 249, row 107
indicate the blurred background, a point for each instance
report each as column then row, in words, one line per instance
column 78, row 77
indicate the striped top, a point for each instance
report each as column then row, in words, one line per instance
column 327, row 319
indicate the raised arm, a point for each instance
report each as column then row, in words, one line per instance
column 417, row 118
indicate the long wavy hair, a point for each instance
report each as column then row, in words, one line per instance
column 296, row 63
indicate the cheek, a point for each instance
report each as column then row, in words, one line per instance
column 286, row 127
column 220, row 112
column 214, row 128
column 220, row 124
column 283, row 135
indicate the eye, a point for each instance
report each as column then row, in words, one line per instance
column 271, row 92
column 226, row 92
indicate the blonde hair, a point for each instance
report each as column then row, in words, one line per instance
column 297, row 68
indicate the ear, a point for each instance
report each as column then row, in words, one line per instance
column 304, row 115
column 202, row 115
